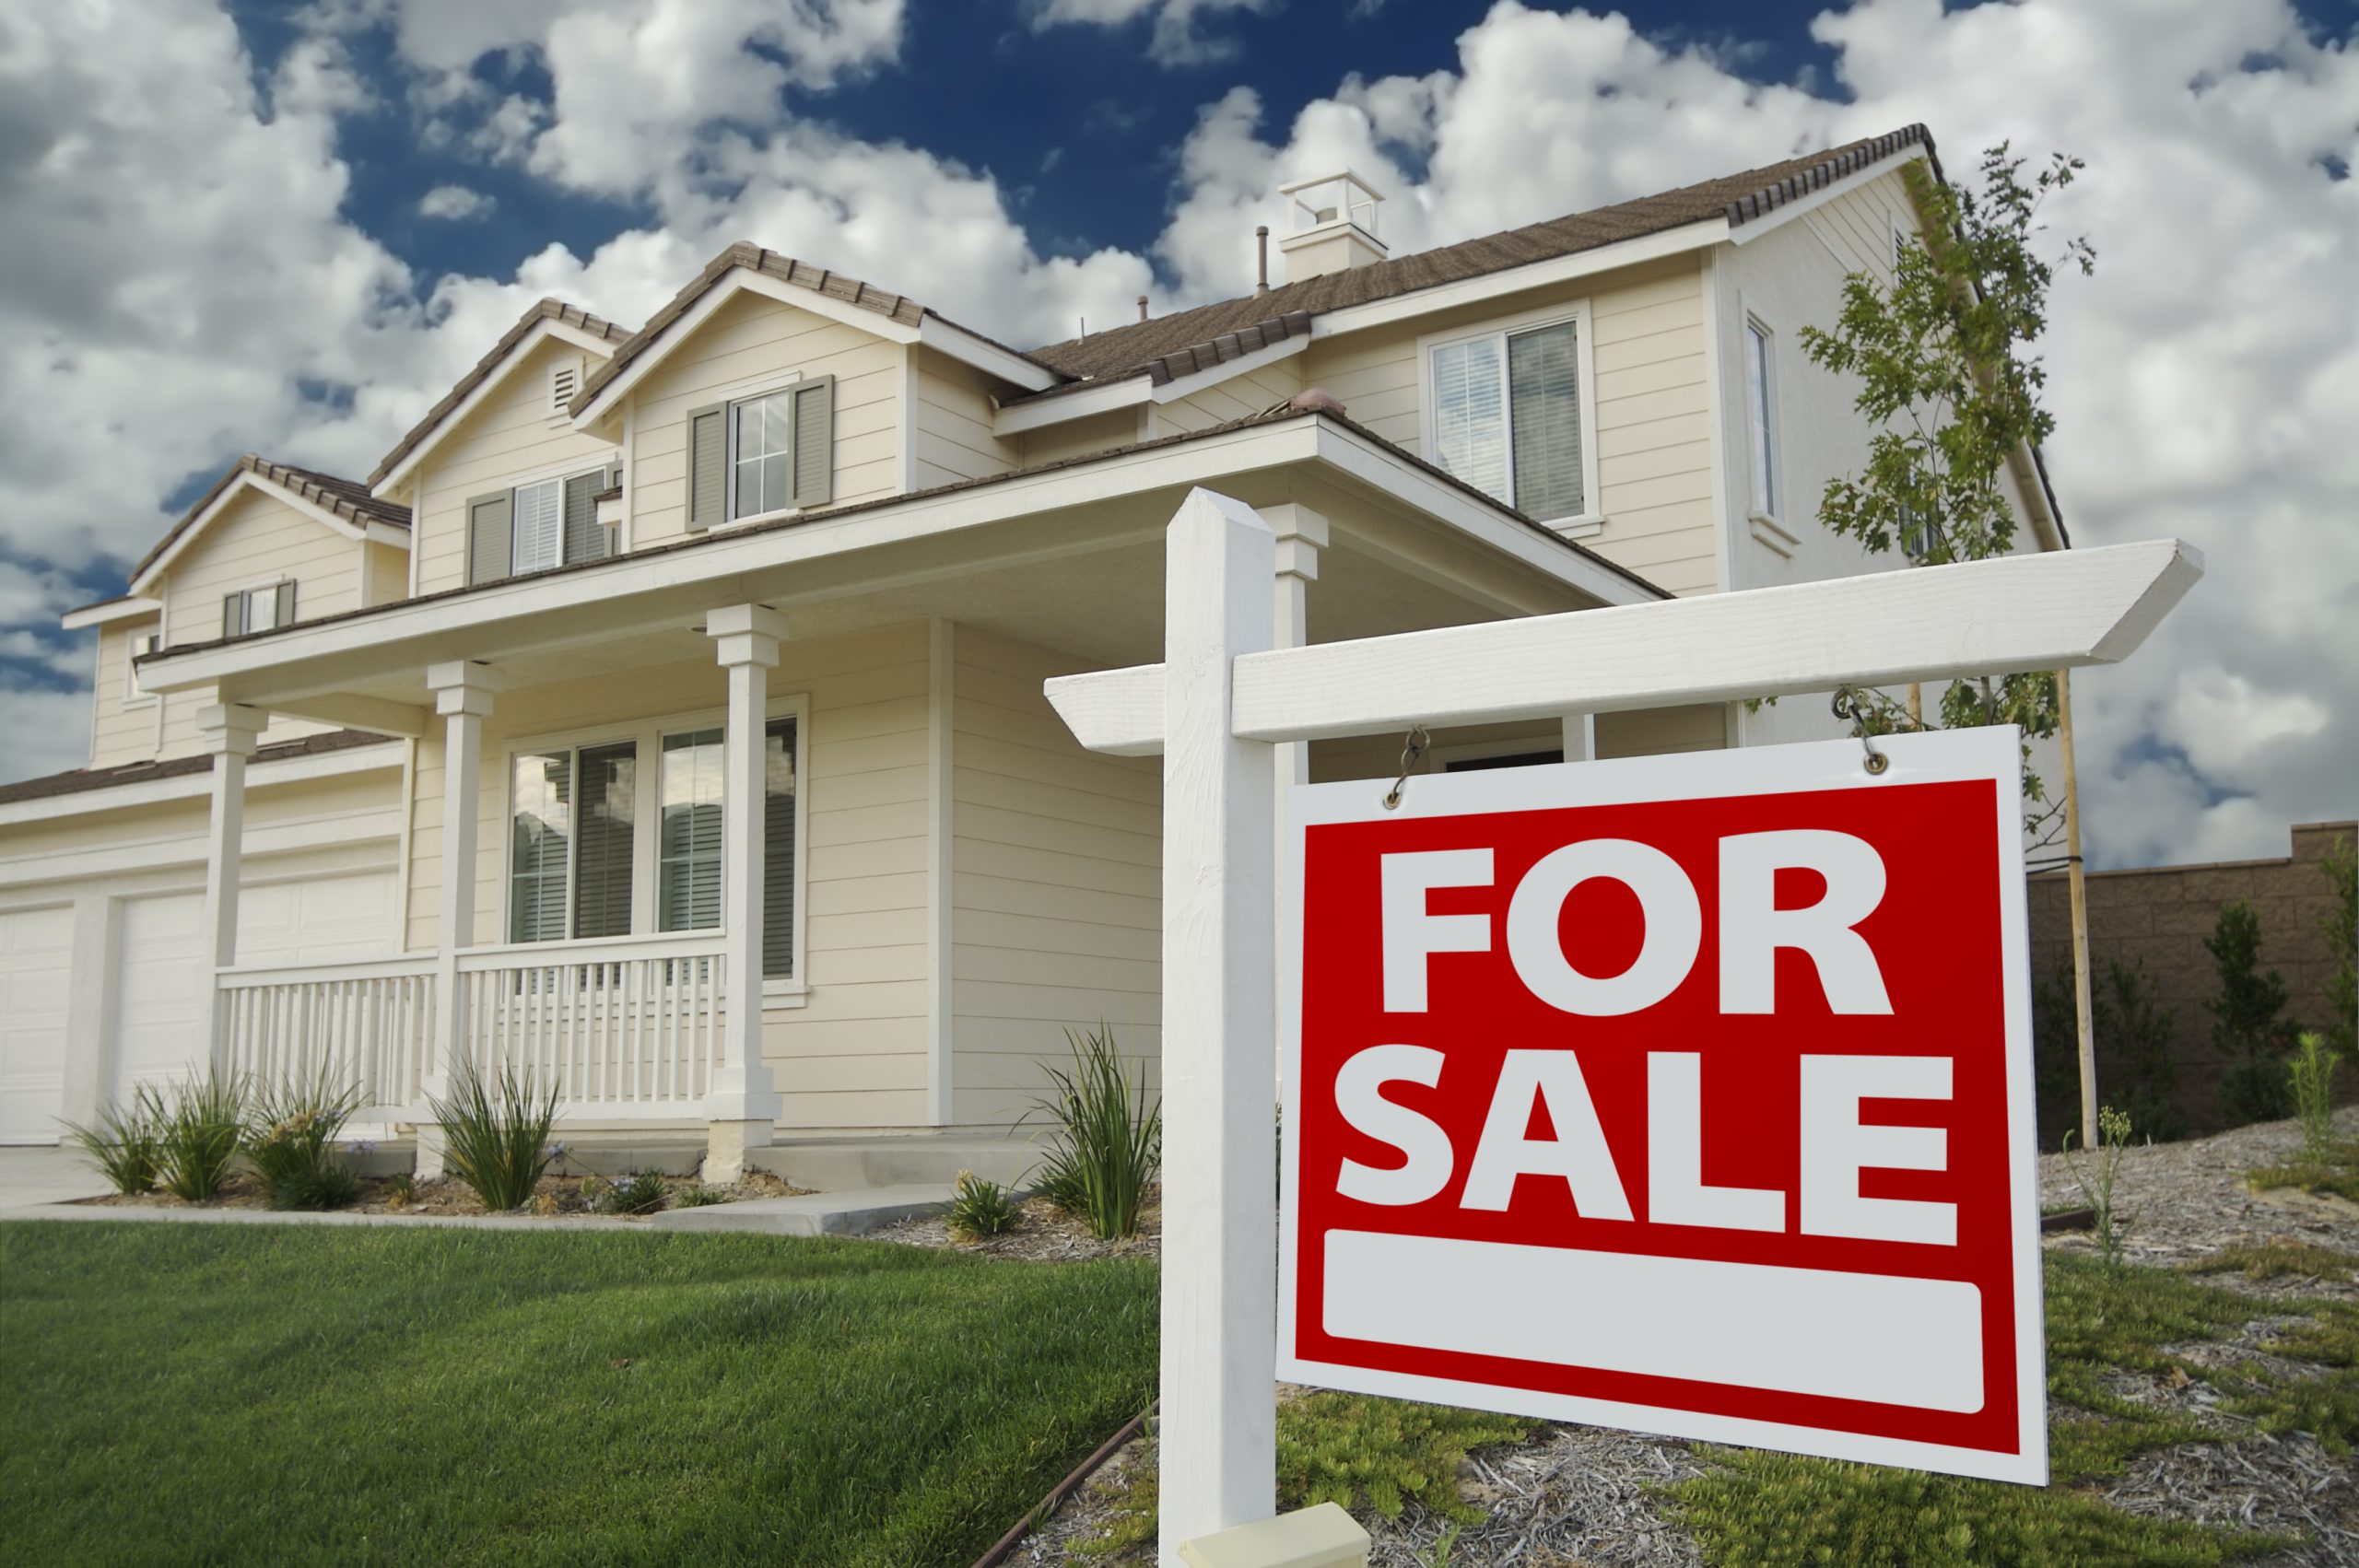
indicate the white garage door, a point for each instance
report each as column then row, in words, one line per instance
column 36, row 950
column 160, row 979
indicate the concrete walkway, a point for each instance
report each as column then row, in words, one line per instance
column 45, row 1174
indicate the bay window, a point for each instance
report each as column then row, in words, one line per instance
column 1506, row 415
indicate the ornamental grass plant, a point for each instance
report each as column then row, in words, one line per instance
column 497, row 1136
column 289, row 1140
column 127, row 1144
column 1108, row 1141
column 198, row 1135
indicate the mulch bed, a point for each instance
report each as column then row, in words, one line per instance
column 556, row 1197
column 1045, row 1234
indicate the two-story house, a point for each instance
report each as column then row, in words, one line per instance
column 470, row 764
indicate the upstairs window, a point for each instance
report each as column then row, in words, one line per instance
column 550, row 523
column 1505, row 416
column 1761, row 416
column 258, row 609
column 142, row 645
column 769, row 452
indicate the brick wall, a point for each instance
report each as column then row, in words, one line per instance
column 2162, row 914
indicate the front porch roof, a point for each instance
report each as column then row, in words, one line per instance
column 970, row 551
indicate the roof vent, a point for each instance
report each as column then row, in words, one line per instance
column 1331, row 226
column 565, row 380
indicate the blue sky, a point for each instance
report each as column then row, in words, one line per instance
column 287, row 227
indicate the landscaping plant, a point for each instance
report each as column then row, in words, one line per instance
column 700, row 1196
column 979, row 1207
column 1104, row 1153
column 2133, row 1031
column 127, row 1143
column 288, row 1138
column 2340, row 925
column 2311, row 1075
column 198, row 1136
column 2113, row 1137
column 497, row 1136
column 2244, row 1023
column 638, row 1192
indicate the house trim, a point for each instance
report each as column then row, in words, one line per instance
column 1784, row 212
column 131, row 607
column 189, row 786
column 1135, row 388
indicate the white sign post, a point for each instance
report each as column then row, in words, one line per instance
column 1223, row 697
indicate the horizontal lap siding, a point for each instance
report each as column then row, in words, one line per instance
column 509, row 438
column 120, row 732
column 1056, row 890
column 1238, row 397
column 1079, row 437
column 750, row 344
column 953, row 424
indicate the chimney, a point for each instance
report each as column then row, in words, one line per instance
column 1142, row 306
column 1331, row 226
column 1262, row 245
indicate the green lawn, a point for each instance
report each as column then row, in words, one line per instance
column 250, row 1394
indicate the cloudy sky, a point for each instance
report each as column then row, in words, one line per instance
column 287, row 228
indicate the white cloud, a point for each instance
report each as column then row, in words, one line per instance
column 455, row 204
column 1177, row 37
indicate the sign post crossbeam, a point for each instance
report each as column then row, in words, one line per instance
column 2050, row 612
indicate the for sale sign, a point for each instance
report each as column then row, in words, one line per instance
column 1686, row 1093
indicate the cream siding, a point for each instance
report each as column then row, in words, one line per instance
column 1081, row 437
column 388, row 573
column 257, row 539
column 120, row 731
column 954, row 437
column 1056, row 887
column 1235, row 397
column 510, row 438
column 751, row 344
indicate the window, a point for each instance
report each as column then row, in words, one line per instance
column 142, row 645
column 258, row 609
column 1761, row 411
column 584, row 843
column 1506, row 416
column 549, row 523
column 772, row 452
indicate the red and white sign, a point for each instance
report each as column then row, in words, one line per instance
column 1688, row 1093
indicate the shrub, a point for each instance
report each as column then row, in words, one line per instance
column 979, row 1207
column 2311, row 1078
column 701, row 1195
column 2340, row 925
column 2133, row 1031
column 497, row 1136
column 2244, row 1023
column 1354, row 1449
column 127, row 1143
column 1104, row 1154
column 287, row 1138
column 199, row 1135
column 641, row 1192
column 401, row 1191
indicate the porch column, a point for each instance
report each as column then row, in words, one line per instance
column 462, row 695
column 741, row 1105
column 1581, row 737
column 1301, row 534
column 230, row 731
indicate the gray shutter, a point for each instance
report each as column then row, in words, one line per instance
column 285, row 615
column 585, row 537
column 233, row 616
column 708, row 466
column 815, row 442
column 491, row 537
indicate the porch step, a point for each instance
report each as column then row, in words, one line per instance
column 848, row 1213
column 838, row 1165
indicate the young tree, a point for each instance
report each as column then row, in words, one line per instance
column 1948, row 377
column 2340, row 924
column 2244, row 1023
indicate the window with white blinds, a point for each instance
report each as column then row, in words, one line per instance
column 688, row 846
column 1506, row 417
column 606, row 788
column 540, row 844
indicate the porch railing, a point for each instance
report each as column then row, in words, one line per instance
column 368, row 1028
column 629, row 1026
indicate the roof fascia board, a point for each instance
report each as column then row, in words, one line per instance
column 389, row 487
column 1745, row 233
column 1108, row 398
column 386, row 534
column 589, row 342
column 181, row 786
column 949, row 338
column 1517, row 280
column 246, row 479
column 130, row 608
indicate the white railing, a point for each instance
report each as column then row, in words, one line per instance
column 364, row 1027
column 629, row 1025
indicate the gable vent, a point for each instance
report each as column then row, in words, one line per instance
column 565, row 380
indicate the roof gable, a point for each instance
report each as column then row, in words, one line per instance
column 335, row 504
column 547, row 318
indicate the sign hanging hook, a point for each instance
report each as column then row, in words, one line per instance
column 1849, row 703
column 1411, row 755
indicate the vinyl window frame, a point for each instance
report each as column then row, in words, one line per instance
column 559, row 474
column 647, row 733
column 1591, row 520
column 269, row 586
column 131, row 653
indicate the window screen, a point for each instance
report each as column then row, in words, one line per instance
column 1544, row 392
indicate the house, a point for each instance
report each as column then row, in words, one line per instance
column 455, row 764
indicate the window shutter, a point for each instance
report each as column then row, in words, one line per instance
column 233, row 620
column 285, row 615
column 491, row 537
column 585, row 537
column 778, row 850
column 709, row 465
column 815, row 442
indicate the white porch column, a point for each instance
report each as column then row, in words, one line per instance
column 1581, row 737
column 741, row 1105
column 1301, row 535
column 229, row 731
column 462, row 695
column 1219, row 1434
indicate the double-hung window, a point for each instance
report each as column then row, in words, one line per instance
column 590, row 854
column 767, row 453
column 258, row 609
column 549, row 523
column 1505, row 416
column 142, row 645
column 1761, row 416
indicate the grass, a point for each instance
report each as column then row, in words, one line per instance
column 2278, row 1259
column 241, row 1394
column 2336, row 1173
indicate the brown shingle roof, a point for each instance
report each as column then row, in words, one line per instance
column 546, row 310
column 1134, row 349
column 78, row 780
column 348, row 500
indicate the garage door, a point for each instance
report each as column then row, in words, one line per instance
column 36, row 950
column 160, row 979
